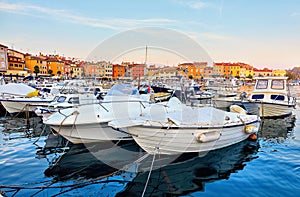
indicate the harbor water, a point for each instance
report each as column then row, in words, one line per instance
column 35, row 164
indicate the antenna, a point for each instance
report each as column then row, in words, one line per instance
column 146, row 55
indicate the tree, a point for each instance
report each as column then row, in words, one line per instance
column 290, row 75
column 191, row 77
column 71, row 73
column 36, row 70
column 59, row 73
column 250, row 76
column 50, row 72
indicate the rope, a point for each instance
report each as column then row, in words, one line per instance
column 151, row 167
column 40, row 135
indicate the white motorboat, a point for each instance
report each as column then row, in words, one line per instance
column 20, row 97
column 89, row 123
column 270, row 98
column 226, row 102
column 163, row 131
column 63, row 101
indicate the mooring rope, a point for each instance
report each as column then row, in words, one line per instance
column 151, row 167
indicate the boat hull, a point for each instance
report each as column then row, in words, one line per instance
column 226, row 102
column 182, row 140
column 13, row 107
column 268, row 110
column 88, row 133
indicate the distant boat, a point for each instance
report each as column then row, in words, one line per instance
column 270, row 98
column 167, row 131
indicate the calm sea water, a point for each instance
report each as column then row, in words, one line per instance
column 268, row 167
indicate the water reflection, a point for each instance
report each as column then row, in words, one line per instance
column 190, row 173
column 277, row 130
column 186, row 174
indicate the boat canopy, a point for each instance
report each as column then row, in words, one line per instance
column 123, row 90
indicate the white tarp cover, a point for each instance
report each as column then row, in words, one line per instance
column 19, row 89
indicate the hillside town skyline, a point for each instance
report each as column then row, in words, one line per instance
column 21, row 64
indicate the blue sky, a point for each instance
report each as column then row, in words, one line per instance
column 263, row 33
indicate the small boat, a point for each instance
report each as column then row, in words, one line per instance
column 20, row 97
column 185, row 130
column 226, row 102
column 161, row 96
column 63, row 101
column 201, row 95
column 270, row 98
column 89, row 123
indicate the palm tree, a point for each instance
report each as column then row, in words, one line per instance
column 36, row 70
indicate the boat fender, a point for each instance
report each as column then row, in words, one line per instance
column 253, row 137
column 208, row 136
column 237, row 109
column 250, row 129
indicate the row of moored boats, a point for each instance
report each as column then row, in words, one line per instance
column 166, row 127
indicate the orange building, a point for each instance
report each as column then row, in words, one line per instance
column 118, row 71
column 16, row 60
column 195, row 70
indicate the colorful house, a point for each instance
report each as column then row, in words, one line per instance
column 57, row 66
column 118, row 71
column 3, row 58
column 32, row 61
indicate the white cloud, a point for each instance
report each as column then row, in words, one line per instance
column 193, row 4
column 66, row 16
column 295, row 14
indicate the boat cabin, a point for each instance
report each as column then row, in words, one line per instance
column 270, row 88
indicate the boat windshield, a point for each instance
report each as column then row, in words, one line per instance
column 277, row 84
column 123, row 90
column 262, row 84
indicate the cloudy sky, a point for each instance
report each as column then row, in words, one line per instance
column 262, row 33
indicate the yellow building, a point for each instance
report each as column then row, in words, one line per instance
column 281, row 73
column 235, row 70
column 56, row 66
column 32, row 61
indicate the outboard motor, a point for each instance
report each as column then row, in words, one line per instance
column 243, row 95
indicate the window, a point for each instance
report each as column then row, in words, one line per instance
column 258, row 96
column 61, row 99
column 262, row 84
column 74, row 100
column 277, row 84
column 277, row 97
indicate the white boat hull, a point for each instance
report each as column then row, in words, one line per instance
column 89, row 133
column 13, row 107
column 225, row 102
column 268, row 110
column 182, row 140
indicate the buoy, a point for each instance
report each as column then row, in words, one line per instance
column 208, row 136
column 253, row 136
